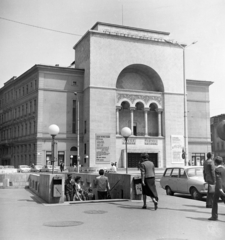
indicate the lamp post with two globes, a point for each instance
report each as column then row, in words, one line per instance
column 126, row 132
column 53, row 131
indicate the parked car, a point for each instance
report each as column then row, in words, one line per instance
column 186, row 180
column 9, row 166
column 24, row 168
column 36, row 168
column 48, row 168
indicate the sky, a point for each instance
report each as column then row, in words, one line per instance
column 45, row 31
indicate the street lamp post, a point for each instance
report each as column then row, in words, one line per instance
column 78, row 133
column 126, row 132
column 53, row 131
column 183, row 47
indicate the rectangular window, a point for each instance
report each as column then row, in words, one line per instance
column 34, row 105
column 85, row 126
column 135, row 129
column 74, row 117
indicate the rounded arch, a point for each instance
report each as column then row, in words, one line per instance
column 153, row 106
column 73, row 149
column 139, row 77
column 140, row 105
column 125, row 105
column 139, row 101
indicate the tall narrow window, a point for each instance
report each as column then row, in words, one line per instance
column 85, row 126
column 35, row 105
column 74, row 117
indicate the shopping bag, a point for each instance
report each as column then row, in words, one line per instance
column 211, row 188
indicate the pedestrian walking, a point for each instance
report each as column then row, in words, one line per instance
column 102, row 184
column 209, row 177
column 147, row 169
column 219, row 188
column 61, row 166
column 69, row 188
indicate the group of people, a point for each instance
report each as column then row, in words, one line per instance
column 75, row 192
column 214, row 175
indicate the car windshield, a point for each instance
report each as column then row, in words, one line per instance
column 38, row 166
column 195, row 172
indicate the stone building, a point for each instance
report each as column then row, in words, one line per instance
column 218, row 144
column 124, row 77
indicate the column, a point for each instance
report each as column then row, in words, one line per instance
column 117, row 120
column 146, row 121
column 159, row 122
column 132, row 120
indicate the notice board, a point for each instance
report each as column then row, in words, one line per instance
column 102, row 143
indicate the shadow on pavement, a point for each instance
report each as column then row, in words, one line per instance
column 183, row 210
column 194, row 206
column 34, row 198
column 204, row 219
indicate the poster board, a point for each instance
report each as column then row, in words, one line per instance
column 102, row 147
column 177, row 145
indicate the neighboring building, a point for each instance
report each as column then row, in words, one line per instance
column 41, row 96
column 123, row 76
column 218, row 145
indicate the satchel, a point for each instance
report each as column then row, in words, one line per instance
column 108, row 195
column 211, row 188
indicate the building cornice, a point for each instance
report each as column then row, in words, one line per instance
column 38, row 68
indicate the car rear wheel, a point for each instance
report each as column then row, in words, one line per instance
column 195, row 194
column 169, row 191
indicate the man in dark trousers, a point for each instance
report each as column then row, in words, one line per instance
column 148, row 180
column 209, row 177
column 220, row 187
column 69, row 188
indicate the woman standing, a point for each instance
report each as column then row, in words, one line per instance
column 147, row 169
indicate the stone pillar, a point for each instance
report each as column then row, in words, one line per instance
column 146, row 121
column 159, row 122
column 117, row 120
column 132, row 120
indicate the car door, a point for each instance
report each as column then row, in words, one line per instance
column 182, row 183
column 174, row 179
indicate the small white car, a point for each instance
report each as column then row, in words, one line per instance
column 186, row 180
column 24, row 168
column 36, row 168
column 48, row 168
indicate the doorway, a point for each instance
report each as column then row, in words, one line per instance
column 134, row 158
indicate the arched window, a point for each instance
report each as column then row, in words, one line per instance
column 73, row 148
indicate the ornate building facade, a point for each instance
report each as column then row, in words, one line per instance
column 124, row 77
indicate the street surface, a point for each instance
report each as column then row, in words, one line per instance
column 25, row 216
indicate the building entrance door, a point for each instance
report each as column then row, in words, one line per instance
column 134, row 159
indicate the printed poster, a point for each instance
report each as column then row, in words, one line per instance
column 102, row 148
column 177, row 145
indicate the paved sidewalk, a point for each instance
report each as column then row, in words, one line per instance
column 25, row 216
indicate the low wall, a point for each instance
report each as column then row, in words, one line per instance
column 122, row 185
column 42, row 185
column 14, row 180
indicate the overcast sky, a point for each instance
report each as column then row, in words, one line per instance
column 22, row 46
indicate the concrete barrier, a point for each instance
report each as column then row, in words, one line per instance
column 15, row 180
column 122, row 185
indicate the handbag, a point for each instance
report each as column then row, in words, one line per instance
column 211, row 188
column 108, row 195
